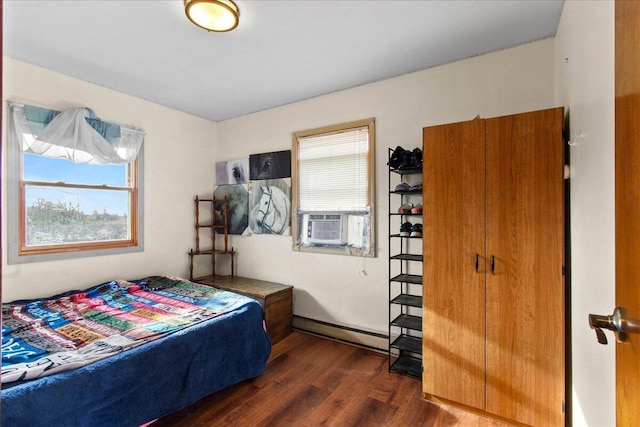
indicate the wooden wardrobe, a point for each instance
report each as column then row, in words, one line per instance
column 493, row 280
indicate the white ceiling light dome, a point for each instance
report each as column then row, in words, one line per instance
column 213, row 15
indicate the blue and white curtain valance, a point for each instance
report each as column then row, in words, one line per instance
column 74, row 134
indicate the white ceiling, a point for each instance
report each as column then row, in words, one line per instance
column 282, row 51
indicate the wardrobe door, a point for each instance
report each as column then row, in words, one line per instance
column 454, row 263
column 525, row 252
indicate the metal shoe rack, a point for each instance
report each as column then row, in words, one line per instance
column 405, row 277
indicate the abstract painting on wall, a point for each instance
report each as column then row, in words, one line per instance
column 270, row 206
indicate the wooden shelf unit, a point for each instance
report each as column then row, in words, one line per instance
column 212, row 252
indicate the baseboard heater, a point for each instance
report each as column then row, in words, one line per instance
column 370, row 340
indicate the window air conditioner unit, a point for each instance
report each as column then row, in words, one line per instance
column 325, row 229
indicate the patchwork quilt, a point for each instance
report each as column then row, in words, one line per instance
column 42, row 337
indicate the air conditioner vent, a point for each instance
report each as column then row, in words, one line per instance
column 325, row 229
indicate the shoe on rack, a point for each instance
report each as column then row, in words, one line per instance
column 406, row 208
column 417, row 188
column 405, row 229
column 416, row 230
column 417, row 157
column 408, row 161
column 417, row 209
column 403, row 186
column 397, row 157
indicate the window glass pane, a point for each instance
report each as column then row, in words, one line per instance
column 72, row 215
column 45, row 169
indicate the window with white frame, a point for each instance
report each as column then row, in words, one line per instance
column 334, row 189
column 74, row 185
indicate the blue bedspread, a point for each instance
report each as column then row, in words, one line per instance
column 149, row 381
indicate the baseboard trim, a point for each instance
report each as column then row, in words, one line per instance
column 358, row 337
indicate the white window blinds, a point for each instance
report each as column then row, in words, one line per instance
column 334, row 171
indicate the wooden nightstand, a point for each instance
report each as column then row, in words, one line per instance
column 275, row 299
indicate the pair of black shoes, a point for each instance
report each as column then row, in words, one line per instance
column 411, row 230
column 405, row 159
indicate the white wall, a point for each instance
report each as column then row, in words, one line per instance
column 585, row 78
column 334, row 288
column 179, row 163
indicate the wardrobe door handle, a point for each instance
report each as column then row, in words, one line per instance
column 477, row 263
column 493, row 265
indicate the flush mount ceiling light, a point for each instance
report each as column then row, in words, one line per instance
column 213, row 15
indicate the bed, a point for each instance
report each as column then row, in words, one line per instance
column 60, row 367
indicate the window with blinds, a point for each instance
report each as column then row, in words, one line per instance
column 333, row 170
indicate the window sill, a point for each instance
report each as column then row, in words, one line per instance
column 14, row 258
column 332, row 250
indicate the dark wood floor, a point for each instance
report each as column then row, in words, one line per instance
column 312, row 381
